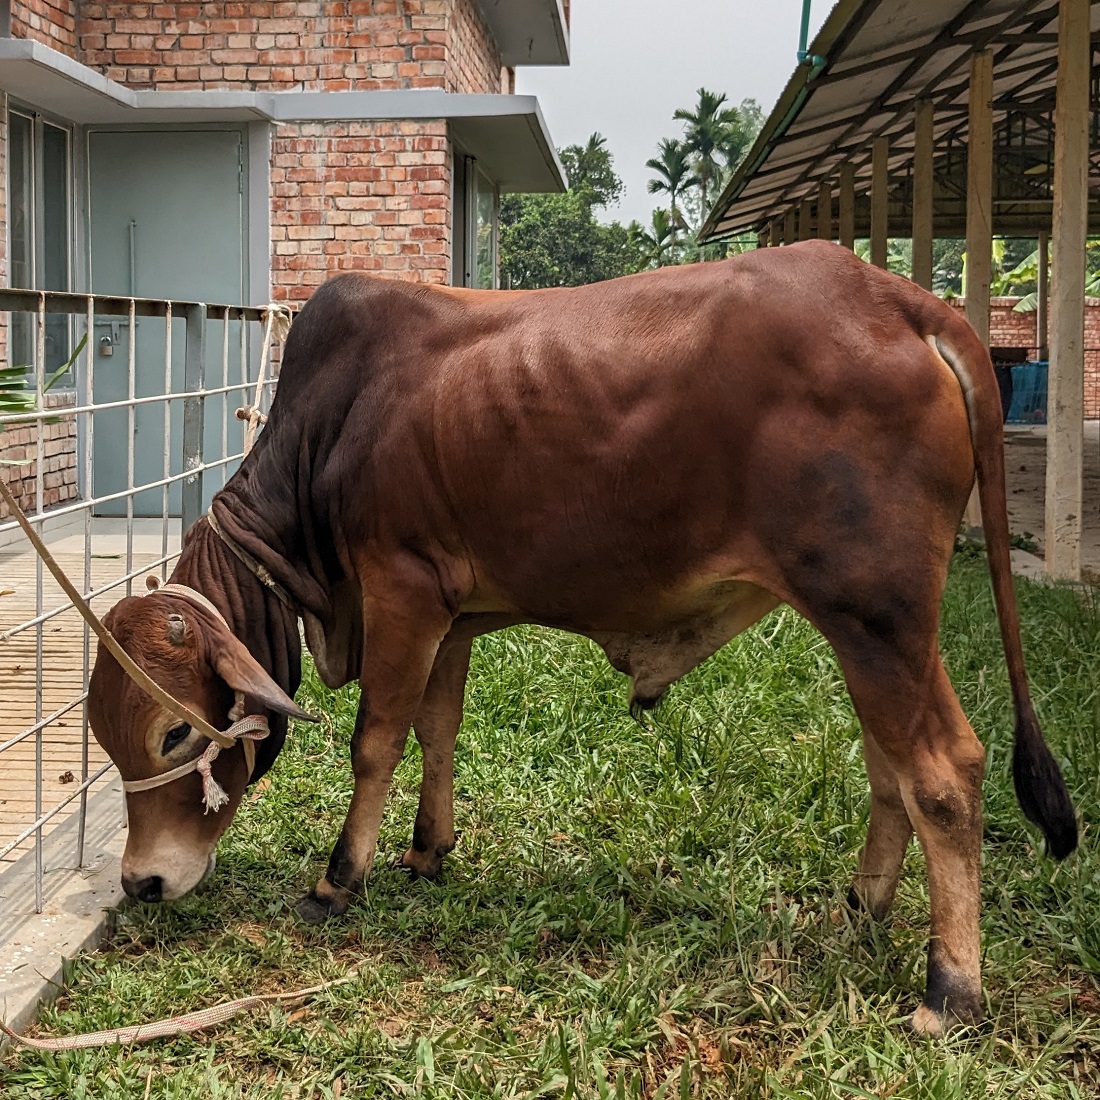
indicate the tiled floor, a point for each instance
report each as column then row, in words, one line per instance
column 64, row 667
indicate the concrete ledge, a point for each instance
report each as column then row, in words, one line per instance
column 77, row 907
column 12, row 537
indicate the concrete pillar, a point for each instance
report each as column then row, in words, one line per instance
column 806, row 220
column 790, row 226
column 922, row 194
column 1042, row 296
column 1066, row 385
column 880, row 152
column 825, row 210
column 846, row 221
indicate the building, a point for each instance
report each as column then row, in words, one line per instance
column 243, row 152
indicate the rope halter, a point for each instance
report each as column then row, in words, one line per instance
column 246, row 731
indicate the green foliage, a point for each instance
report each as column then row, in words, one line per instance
column 657, row 244
column 691, row 171
column 631, row 911
column 557, row 240
column 19, row 396
column 717, row 137
column 591, row 171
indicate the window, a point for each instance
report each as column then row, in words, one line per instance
column 475, row 259
column 486, row 233
column 40, row 228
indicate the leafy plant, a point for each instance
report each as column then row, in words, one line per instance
column 18, row 396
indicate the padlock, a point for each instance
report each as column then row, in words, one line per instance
column 106, row 345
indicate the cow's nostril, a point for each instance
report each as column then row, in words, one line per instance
column 144, row 889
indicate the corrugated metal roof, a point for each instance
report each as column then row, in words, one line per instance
column 869, row 64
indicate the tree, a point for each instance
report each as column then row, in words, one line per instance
column 674, row 178
column 556, row 240
column 717, row 137
column 590, row 168
column 657, row 244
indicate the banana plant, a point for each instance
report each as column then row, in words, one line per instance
column 17, row 396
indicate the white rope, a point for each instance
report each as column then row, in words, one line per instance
column 175, row 1025
column 276, row 326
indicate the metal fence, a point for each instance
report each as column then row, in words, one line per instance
column 121, row 453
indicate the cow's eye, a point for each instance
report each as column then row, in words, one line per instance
column 174, row 737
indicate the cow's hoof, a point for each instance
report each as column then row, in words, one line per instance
column 932, row 1024
column 316, row 910
column 427, row 865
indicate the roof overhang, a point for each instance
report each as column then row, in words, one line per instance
column 506, row 133
column 869, row 64
column 529, row 32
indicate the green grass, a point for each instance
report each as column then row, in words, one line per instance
column 629, row 912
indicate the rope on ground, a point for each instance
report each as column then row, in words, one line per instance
column 168, row 1028
column 276, row 326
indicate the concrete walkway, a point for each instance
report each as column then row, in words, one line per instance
column 1025, row 478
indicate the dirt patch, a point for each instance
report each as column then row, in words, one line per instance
column 1025, row 480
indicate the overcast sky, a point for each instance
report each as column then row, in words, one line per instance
column 635, row 61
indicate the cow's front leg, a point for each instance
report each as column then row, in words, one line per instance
column 401, row 639
column 436, row 726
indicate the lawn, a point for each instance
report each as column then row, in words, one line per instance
column 630, row 911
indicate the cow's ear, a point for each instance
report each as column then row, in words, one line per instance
column 242, row 672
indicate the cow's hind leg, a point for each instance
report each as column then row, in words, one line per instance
column 888, row 834
column 910, row 710
column 436, row 726
column 403, row 627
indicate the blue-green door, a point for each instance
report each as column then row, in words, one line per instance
column 166, row 220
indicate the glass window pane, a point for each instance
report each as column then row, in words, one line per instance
column 55, row 240
column 55, row 194
column 21, row 228
column 486, row 234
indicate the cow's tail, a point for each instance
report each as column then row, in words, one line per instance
column 1040, row 788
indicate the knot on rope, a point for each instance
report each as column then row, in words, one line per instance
column 277, row 321
column 213, row 793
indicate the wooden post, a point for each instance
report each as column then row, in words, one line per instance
column 775, row 233
column 880, row 152
column 805, row 220
column 1066, row 385
column 979, row 213
column 846, row 223
column 979, row 194
column 922, row 194
column 1042, row 297
column 825, row 210
column 790, row 226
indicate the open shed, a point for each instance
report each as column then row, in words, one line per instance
column 948, row 118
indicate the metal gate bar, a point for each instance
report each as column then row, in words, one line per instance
column 62, row 657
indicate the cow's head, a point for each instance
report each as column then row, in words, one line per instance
column 198, row 661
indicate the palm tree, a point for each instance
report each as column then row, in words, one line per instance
column 655, row 243
column 708, row 136
column 674, row 177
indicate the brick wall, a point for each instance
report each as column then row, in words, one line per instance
column 1009, row 329
column 50, row 21
column 59, row 460
column 360, row 45
column 473, row 61
column 365, row 196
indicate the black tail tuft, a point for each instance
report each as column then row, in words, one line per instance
column 1041, row 789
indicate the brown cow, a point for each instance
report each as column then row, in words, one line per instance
column 654, row 462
